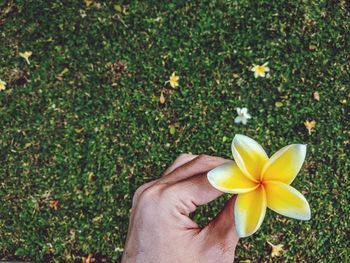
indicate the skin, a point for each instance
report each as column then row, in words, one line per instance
column 160, row 229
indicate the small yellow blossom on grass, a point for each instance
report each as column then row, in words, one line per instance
column 276, row 249
column 174, row 80
column 2, row 85
column 89, row 259
column 260, row 70
column 26, row 55
column 310, row 126
column 88, row 2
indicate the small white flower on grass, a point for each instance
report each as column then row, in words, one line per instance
column 260, row 70
column 243, row 115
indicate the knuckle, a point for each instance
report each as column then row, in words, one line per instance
column 184, row 155
column 139, row 191
column 151, row 194
column 204, row 157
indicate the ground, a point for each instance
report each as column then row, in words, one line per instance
column 92, row 117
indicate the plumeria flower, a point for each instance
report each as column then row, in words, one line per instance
column 310, row 126
column 174, row 80
column 2, row 85
column 260, row 70
column 261, row 182
column 276, row 250
column 243, row 115
column 26, row 55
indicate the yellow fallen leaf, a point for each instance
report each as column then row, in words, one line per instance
column 64, row 71
column 162, row 98
column 118, row 8
column 316, row 96
column 172, row 129
column 312, row 46
column 278, row 104
column 79, row 130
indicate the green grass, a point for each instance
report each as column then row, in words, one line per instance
column 82, row 124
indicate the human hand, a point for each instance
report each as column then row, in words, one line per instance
column 160, row 229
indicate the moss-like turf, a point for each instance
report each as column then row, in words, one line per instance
column 82, row 124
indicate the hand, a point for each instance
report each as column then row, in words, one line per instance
column 160, row 230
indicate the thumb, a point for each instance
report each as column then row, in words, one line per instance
column 222, row 228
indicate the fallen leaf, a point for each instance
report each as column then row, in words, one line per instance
column 312, row 46
column 79, row 130
column 172, row 129
column 162, row 98
column 278, row 104
column 316, row 96
column 118, row 8
column 54, row 204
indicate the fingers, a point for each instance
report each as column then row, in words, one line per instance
column 198, row 165
column 192, row 192
column 220, row 236
column 186, row 166
column 181, row 160
column 222, row 227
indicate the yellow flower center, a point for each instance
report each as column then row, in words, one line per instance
column 260, row 69
column 173, row 79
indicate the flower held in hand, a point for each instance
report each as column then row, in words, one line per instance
column 261, row 182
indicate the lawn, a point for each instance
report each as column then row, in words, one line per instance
column 92, row 117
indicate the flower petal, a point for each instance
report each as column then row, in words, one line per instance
column 286, row 200
column 249, row 156
column 285, row 164
column 238, row 119
column 250, row 209
column 228, row 178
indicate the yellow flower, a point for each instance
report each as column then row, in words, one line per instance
column 88, row 2
column 260, row 70
column 2, row 85
column 261, row 182
column 310, row 126
column 26, row 55
column 174, row 80
column 276, row 249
